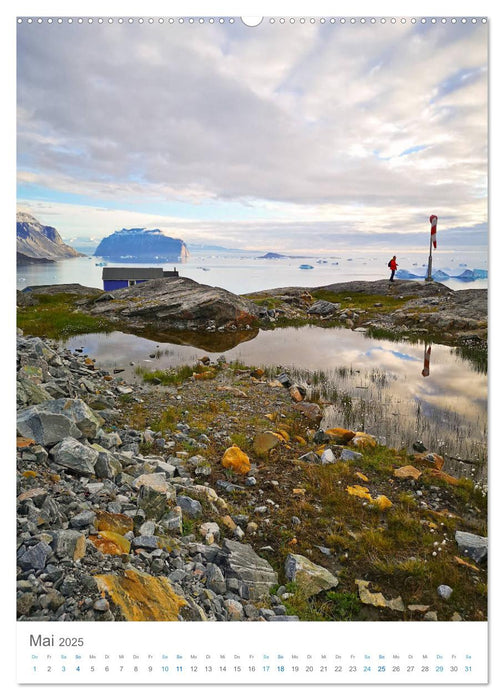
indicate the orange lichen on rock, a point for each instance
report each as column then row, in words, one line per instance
column 382, row 502
column 407, row 472
column 142, row 598
column 363, row 440
column 113, row 522
column 204, row 375
column 340, row 435
column 24, row 442
column 430, row 459
column 359, row 491
column 236, row 459
column 361, row 476
column 29, row 474
column 438, row 474
column 110, row 542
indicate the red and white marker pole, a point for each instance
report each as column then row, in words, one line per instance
column 426, row 362
column 433, row 223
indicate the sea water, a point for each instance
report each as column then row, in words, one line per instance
column 242, row 274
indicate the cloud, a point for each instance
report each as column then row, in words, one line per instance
column 369, row 126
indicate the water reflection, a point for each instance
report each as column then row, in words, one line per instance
column 389, row 389
column 426, row 364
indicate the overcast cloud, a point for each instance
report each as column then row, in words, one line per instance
column 239, row 135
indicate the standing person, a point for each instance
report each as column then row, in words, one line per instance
column 393, row 266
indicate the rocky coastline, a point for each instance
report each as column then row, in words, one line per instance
column 218, row 497
column 156, row 308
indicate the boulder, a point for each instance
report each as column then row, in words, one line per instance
column 35, row 557
column 236, row 459
column 473, row 546
column 310, row 577
column 328, row 457
column 107, row 466
column 141, row 597
column 68, row 544
column 190, row 506
column 340, row 436
column 178, row 303
column 378, row 600
column 407, row 472
column 243, row 563
column 264, row 442
column 75, row 456
column 323, row 308
column 49, row 422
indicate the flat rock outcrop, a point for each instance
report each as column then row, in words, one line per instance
column 177, row 303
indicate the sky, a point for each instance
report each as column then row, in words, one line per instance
column 283, row 137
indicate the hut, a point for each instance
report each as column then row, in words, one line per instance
column 119, row 277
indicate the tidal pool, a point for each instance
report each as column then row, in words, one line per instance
column 400, row 392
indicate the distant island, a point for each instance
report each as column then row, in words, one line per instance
column 37, row 243
column 277, row 256
column 142, row 245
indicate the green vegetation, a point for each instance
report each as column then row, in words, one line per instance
column 365, row 302
column 171, row 376
column 55, row 316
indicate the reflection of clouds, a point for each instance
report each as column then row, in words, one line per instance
column 452, row 384
column 396, row 353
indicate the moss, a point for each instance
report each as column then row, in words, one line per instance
column 365, row 302
column 55, row 316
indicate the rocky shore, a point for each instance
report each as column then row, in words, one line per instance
column 218, row 497
column 159, row 308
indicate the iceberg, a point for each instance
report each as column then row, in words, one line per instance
column 405, row 275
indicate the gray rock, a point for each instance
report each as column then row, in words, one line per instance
column 35, row 557
column 101, row 605
column 444, row 592
column 44, row 422
column 215, row 580
column 348, row 455
column 108, row 440
column 145, row 542
column 83, row 520
column 68, row 544
column 311, row 577
column 28, row 392
column 107, row 465
column 172, row 522
column 45, row 427
column 327, row 457
column 234, row 609
column 148, row 528
column 153, row 502
column 323, row 308
column 242, row 562
column 189, row 506
column 473, row 546
column 310, row 457
column 75, row 456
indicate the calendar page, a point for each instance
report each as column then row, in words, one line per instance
column 251, row 344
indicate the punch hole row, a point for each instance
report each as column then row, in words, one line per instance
column 233, row 20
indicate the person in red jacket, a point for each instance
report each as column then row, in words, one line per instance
column 393, row 266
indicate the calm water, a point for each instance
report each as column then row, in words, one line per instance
column 248, row 274
column 371, row 385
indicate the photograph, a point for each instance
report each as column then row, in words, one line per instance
column 252, row 320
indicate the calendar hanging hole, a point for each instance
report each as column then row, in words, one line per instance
column 252, row 21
